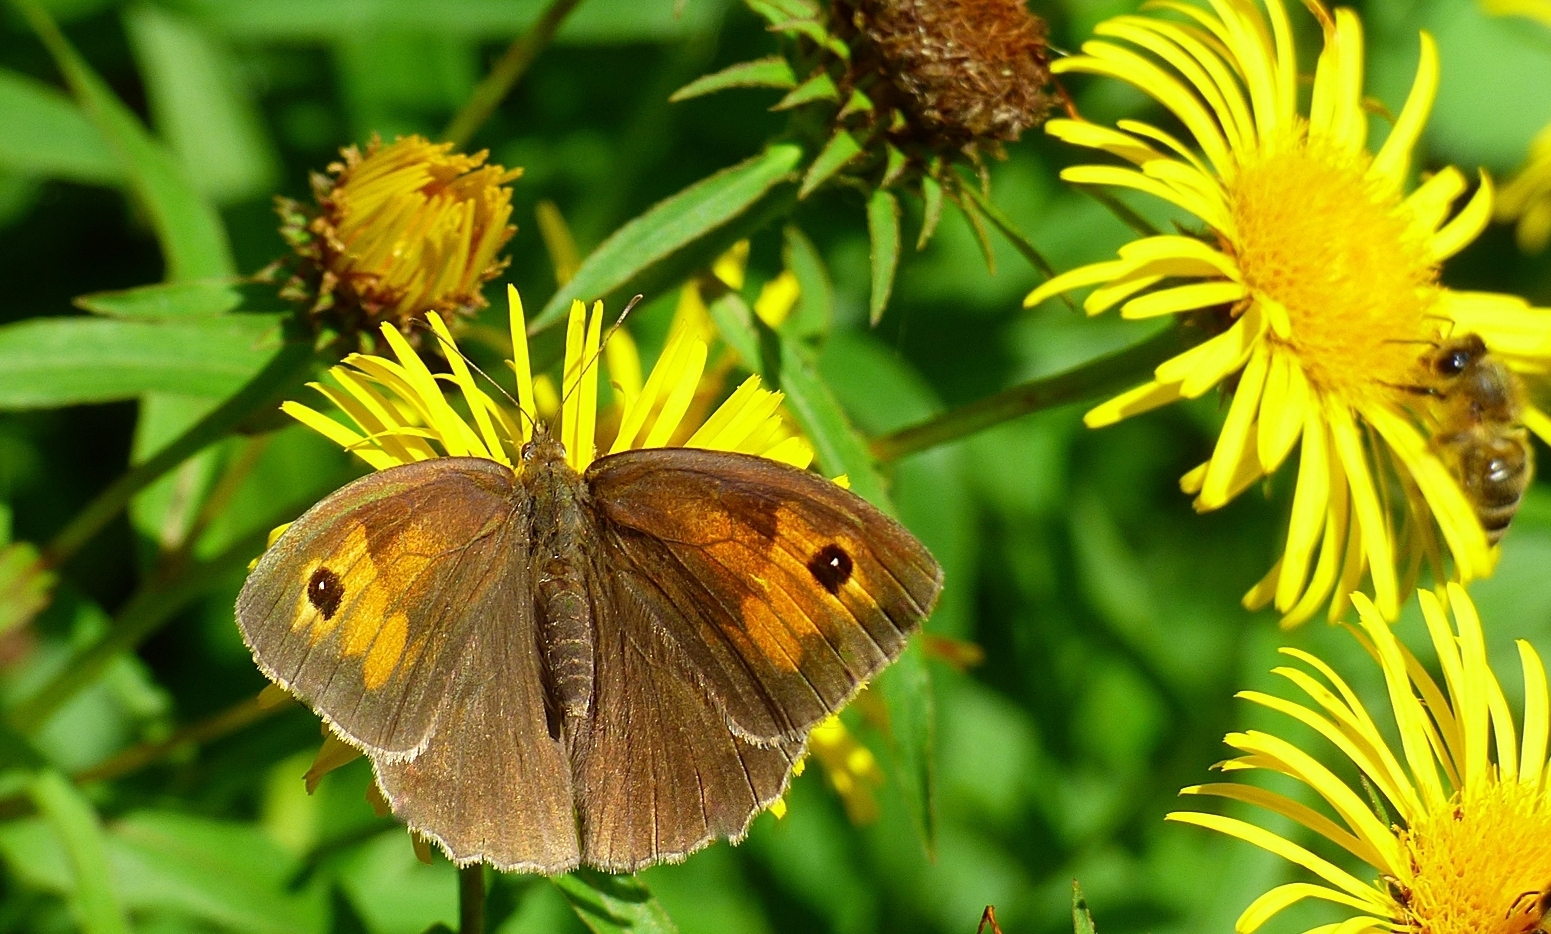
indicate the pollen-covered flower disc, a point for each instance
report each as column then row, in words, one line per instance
column 1453, row 822
column 1319, row 261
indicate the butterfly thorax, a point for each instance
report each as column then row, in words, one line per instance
column 561, row 536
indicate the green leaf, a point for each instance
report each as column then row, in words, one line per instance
column 208, row 119
column 670, row 226
column 906, row 688
column 859, row 103
column 1082, row 918
column 191, row 234
column 893, row 165
column 883, row 235
column 169, row 300
column 820, row 87
column 492, row 22
column 841, row 148
column 51, row 362
column 75, row 824
column 786, row 364
column 779, row 11
column 1008, row 229
column 815, row 304
column 44, row 133
column 808, row 25
column 771, row 72
column 967, row 205
column 614, row 904
column 931, row 199
column 229, row 874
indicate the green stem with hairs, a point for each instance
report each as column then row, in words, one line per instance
column 506, row 73
column 1096, row 377
column 280, row 378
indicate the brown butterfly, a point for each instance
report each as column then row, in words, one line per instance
column 611, row 668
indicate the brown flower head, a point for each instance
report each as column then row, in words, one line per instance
column 966, row 73
column 397, row 232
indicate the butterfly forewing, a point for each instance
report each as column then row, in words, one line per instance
column 782, row 591
column 360, row 607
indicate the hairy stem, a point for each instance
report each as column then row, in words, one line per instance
column 1096, row 377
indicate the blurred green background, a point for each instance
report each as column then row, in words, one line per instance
column 1108, row 611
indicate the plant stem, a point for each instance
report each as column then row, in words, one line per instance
column 506, row 73
column 471, row 899
column 230, row 720
column 152, row 605
column 279, row 378
column 1093, row 378
column 1120, row 209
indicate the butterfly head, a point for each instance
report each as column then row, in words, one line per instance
column 542, row 446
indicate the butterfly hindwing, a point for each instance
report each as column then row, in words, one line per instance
column 782, row 591
column 493, row 784
column 659, row 772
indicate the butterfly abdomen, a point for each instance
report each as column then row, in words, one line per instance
column 561, row 533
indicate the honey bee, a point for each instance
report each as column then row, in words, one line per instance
column 1535, row 905
column 1479, row 434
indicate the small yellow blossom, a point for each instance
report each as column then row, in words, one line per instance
column 400, row 231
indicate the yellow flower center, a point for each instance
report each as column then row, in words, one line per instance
column 1343, row 259
column 1481, row 867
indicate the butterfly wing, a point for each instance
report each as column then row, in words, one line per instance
column 358, row 607
column 783, row 592
column 659, row 772
column 493, row 784
column 399, row 608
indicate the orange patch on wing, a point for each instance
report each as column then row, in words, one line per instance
column 395, row 570
column 787, row 605
column 774, row 639
column 383, row 657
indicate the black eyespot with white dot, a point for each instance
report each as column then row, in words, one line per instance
column 831, row 567
column 324, row 591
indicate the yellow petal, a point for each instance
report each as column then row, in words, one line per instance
column 1131, row 402
column 1466, row 225
column 1310, row 507
column 1183, row 298
column 1394, row 158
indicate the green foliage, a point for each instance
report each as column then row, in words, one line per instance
column 143, row 458
column 614, row 904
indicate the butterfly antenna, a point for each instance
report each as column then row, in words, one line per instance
column 603, row 343
column 448, row 345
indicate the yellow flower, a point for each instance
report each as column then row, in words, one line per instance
column 398, row 412
column 400, row 231
column 1465, row 845
column 1527, row 196
column 1317, row 272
